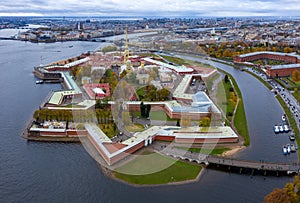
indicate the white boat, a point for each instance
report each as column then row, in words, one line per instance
column 284, row 150
column 39, row 82
column 292, row 137
column 276, row 128
column 288, row 148
column 293, row 148
column 286, row 128
column 281, row 129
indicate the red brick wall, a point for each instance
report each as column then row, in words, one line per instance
column 124, row 154
column 202, row 140
column 286, row 58
column 281, row 72
column 163, row 138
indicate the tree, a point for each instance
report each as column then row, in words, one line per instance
column 163, row 94
column 296, row 76
column 147, row 110
column 142, row 110
column 277, row 196
column 287, row 50
column 204, row 122
column 226, row 79
column 287, row 194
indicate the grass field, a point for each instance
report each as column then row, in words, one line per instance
column 227, row 105
column 154, row 168
column 160, row 116
column 209, row 82
column 135, row 128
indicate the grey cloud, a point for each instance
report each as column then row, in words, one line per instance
column 148, row 7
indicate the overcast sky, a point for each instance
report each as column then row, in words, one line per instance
column 150, row 8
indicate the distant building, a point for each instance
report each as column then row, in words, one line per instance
column 273, row 71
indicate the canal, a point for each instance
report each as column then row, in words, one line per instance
column 58, row 172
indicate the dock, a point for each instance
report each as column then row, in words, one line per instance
column 229, row 164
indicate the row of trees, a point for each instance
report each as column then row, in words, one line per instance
column 102, row 116
column 150, row 93
column 228, row 50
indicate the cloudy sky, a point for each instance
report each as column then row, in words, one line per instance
column 150, row 8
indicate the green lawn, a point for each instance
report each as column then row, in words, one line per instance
column 297, row 95
column 224, row 101
column 153, row 168
column 135, row 128
column 141, row 93
column 240, row 120
column 160, row 116
column 214, row 151
column 209, row 82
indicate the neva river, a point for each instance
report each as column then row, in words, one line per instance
column 56, row 172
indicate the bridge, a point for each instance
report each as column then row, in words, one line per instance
column 234, row 165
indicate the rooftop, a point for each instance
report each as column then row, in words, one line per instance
column 270, row 52
column 178, row 69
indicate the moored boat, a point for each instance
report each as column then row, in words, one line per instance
column 39, row 82
column 293, row 148
column 281, row 129
column 276, row 128
column 292, row 137
column 288, row 148
column 284, row 150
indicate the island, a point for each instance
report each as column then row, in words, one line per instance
column 138, row 114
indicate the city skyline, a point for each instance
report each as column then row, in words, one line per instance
column 150, row 8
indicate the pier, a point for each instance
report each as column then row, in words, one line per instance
column 234, row 165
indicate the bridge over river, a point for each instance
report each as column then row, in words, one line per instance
column 230, row 164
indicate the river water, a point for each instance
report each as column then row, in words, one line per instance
column 56, row 172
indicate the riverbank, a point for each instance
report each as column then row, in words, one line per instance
column 233, row 151
column 132, row 163
column 288, row 113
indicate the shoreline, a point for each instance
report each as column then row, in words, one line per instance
column 233, row 151
column 110, row 172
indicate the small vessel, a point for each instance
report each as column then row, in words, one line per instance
column 276, row 128
column 39, row 82
column 281, row 129
column 293, row 148
column 292, row 137
column 288, row 148
column 284, row 150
